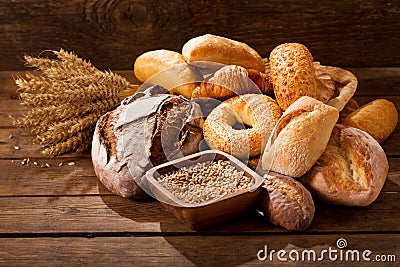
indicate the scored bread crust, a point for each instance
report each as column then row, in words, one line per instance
column 292, row 73
column 286, row 202
column 299, row 137
column 378, row 118
column 219, row 49
column 352, row 170
column 256, row 110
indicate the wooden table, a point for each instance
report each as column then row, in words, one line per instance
column 62, row 215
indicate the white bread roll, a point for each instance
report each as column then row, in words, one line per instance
column 300, row 137
column 169, row 70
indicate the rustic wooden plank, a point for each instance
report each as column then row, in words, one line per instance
column 343, row 33
column 30, row 180
column 65, row 176
column 109, row 213
column 193, row 251
column 20, row 146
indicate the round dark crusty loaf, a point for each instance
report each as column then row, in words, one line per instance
column 351, row 171
column 147, row 129
column 286, row 202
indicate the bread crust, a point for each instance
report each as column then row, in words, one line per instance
column 378, row 118
column 219, row 49
column 169, row 70
column 286, row 202
column 352, row 170
column 232, row 80
column 292, row 73
column 256, row 110
column 145, row 130
column 299, row 137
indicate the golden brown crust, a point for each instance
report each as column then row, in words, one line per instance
column 300, row 137
column 292, row 73
column 351, row 171
column 169, row 70
column 378, row 118
column 233, row 80
column 286, row 202
column 214, row 48
column 259, row 111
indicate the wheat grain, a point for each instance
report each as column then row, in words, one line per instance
column 66, row 99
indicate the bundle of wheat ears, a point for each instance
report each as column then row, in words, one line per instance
column 66, row 97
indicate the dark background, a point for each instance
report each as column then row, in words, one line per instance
column 111, row 34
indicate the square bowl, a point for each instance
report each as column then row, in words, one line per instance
column 210, row 212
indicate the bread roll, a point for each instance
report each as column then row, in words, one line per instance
column 351, row 171
column 256, row 110
column 286, row 202
column 214, row 48
column 292, row 73
column 378, row 118
column 300, row 137
column 169, row 70
column 147, row 129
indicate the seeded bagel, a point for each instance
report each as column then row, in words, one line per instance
column 258, row 111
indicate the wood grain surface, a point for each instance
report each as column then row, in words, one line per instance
column 113, row 33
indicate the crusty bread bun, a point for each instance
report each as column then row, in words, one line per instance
column 219, row 49
column 169, row 70
column 299, row 137
column 147, row 129
column 378, row 118
column 286, row 202
column 256, row 110
column 351, row 171
column 292, row 73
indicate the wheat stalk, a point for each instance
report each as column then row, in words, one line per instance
column 66, row 99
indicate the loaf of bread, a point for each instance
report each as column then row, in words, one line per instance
column 286, row 202
column 147, row 129
column 378, row 118
column 169, row 70
column 351, row 171
column 219, row 49
column 300, row 137
column 292, row 73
